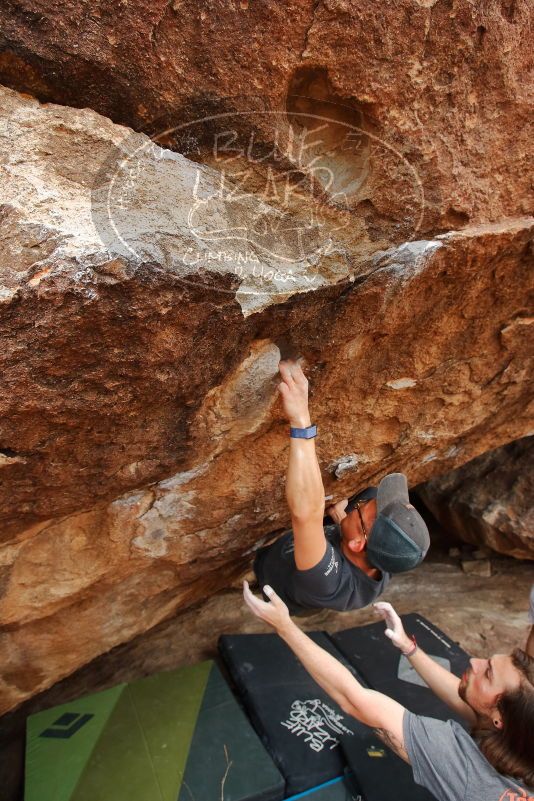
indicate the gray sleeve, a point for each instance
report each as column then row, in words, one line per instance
column 438, row 761
column 319, row 583
column 531, row 610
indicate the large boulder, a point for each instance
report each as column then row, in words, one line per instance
column 446, row 83
column 142, row 448
column 490, row 500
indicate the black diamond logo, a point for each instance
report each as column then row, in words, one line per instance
column 66, row 725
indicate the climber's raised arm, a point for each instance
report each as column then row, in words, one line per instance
column 304, row 484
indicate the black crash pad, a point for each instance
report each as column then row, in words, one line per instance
column 339, row 789
column 226, row 759
column 378, row 774
column 297, row 721
column 386, row 670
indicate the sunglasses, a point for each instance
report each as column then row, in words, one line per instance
column 357, row 505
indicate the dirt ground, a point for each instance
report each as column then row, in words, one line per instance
column 485, row 615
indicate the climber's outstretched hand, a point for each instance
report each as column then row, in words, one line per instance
column 273, row 612
column 293, row 389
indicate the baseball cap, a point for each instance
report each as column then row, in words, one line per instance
column 399, row 539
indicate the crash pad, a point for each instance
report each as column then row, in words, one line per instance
column 171, row 737
column 378, row 774
column 335, row 790
column 297, row 721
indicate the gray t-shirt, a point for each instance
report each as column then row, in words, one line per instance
column 446, row 761
column 334, row 583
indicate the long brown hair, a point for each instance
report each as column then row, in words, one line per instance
column 511, row 749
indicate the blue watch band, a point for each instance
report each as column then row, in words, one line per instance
column 303, row 433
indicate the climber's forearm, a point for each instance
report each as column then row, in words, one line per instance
column 304, row 484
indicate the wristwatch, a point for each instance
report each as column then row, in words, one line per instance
column 303, row 433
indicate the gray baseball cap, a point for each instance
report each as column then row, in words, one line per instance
column 399, row 539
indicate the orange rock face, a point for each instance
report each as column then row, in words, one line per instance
column 361, row 199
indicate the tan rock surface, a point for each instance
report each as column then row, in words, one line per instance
column 490, row 500
column 143, row 451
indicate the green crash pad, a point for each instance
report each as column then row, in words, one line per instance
column 176, row 736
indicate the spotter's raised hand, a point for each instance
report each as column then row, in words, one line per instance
column 273, row 612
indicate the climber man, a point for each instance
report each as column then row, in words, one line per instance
column 494, row 696
column 347, row 563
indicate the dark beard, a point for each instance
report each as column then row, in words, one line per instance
column 462, row 687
